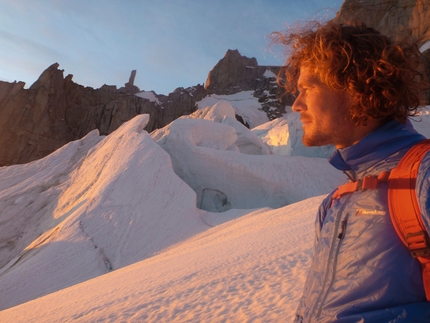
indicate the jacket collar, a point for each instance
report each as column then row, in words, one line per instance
column 383, row 142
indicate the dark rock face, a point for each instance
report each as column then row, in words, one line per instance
column 396, row 19
column 55, row 111
column 235, row 73
column 129, row 87
column 393, row 18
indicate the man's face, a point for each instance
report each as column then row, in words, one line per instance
column 323, row 112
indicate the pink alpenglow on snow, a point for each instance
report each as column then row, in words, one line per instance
column 202, row 221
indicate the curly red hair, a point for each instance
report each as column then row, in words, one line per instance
column 382, row 76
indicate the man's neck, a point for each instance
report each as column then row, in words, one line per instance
column 359, row 132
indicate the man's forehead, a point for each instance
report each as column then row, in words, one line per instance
column 307, row 76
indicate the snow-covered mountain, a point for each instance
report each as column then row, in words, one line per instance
column 204, row 220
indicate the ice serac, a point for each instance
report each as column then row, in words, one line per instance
column 245, row 141
column 284, row 137
column 97, row 204
column 231, row 166
column 206, row 156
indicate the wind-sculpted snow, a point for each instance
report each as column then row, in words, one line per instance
column 97, row 210
column 245, row 140
column 251, row 269
column 244, row 104
column 205, row 156
column 29, row 196
column 114, row 227
column 101, row 203
column 204, row 147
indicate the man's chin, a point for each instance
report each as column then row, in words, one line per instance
column 310, row 142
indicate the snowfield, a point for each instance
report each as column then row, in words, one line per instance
column 247, row 270
column 204, row 220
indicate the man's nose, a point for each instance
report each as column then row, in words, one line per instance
column 299, row 104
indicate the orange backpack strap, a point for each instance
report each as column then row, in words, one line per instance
column 405, row 211
column 366, row 183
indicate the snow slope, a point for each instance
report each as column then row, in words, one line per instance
column 118, row 203
column 247, row 270
column 149, row 95
column 108, row 228
column 101, row 203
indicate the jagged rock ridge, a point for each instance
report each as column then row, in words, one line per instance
column 55, row 110
column 396, row 19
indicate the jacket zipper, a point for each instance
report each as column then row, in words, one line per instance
column 338, row 235
column 343, row 227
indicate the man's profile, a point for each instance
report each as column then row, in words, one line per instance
column 356, row 90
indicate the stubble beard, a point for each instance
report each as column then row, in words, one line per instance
column 313, row 142
column 314, row 138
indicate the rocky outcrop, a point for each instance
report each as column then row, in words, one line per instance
column 396, row 19
column 55, row 111
column 129, row 87
column 235, row 73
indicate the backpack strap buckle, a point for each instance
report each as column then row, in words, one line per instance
column 366, row 183
column 417, row 244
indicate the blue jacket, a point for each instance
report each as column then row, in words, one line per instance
column 361, row 271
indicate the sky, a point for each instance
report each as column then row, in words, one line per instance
column 171, row 43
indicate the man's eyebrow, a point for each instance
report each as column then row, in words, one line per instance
column 309, row 81
column 305, row 83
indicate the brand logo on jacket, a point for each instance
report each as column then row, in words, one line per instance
column 369, row 212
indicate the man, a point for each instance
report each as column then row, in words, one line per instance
column 356, row 91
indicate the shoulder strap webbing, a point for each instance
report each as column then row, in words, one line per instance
column 366, row 183
column 405, row 211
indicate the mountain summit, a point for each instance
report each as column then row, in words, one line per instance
column 55, row 110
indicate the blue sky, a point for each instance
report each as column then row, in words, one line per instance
column 171, row 43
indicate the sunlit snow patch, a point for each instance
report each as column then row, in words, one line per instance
column 244, row 104
column 269, row 74
column 148, row 95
